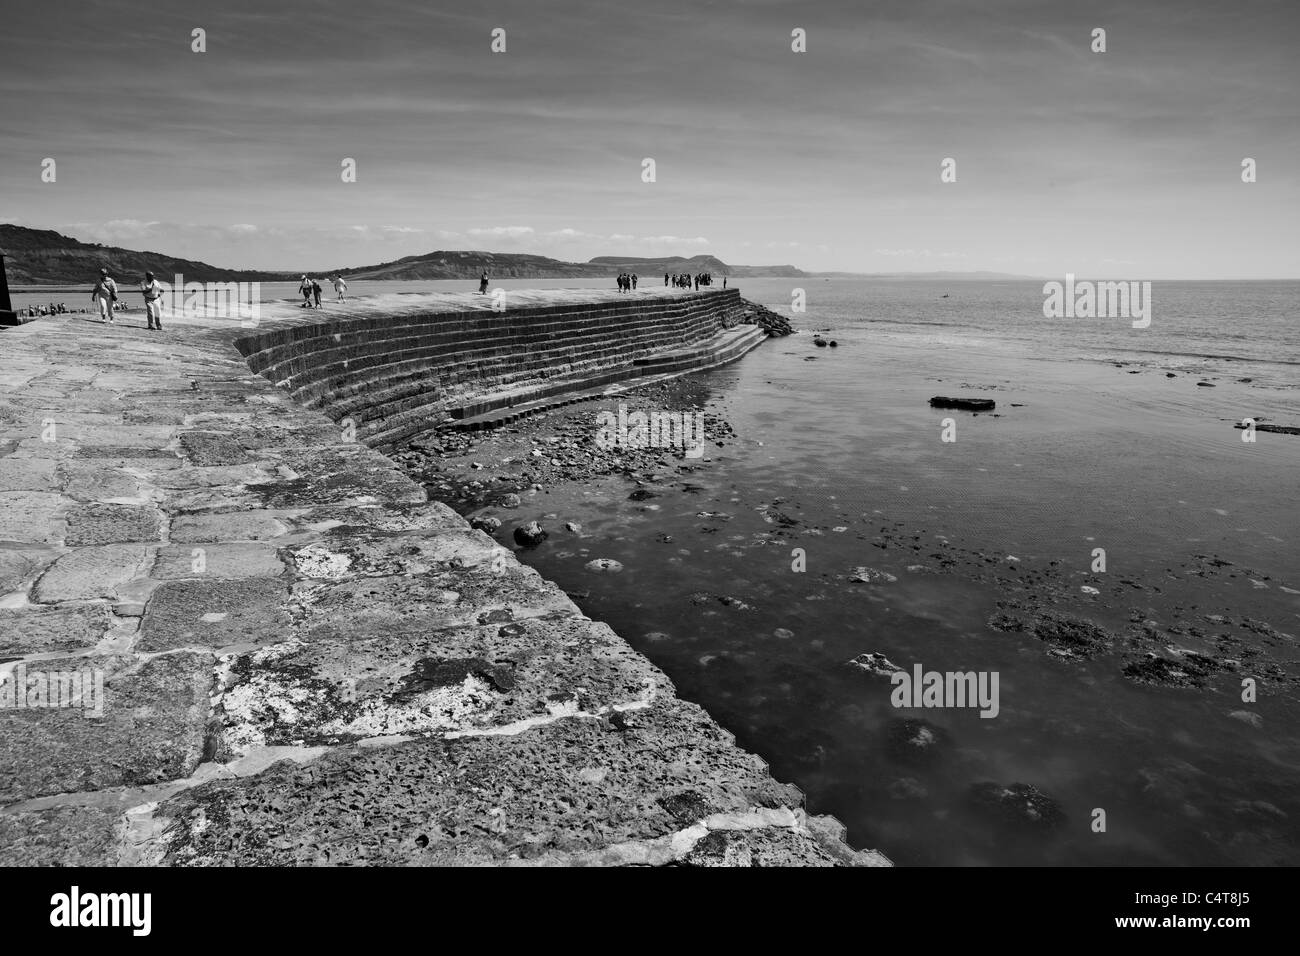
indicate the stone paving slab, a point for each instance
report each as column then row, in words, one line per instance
column 47, row 630
column 151, row 726
column 214, row 613
column 93, row 572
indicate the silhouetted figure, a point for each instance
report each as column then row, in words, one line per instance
column 633, row 280
column 483, row 284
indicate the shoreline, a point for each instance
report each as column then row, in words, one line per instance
column 1183, row 628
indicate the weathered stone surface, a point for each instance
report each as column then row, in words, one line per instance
column 209, row 500
column 88, row 573
column 92, row 482
column 19, row 567
column 349, row 553
column 109, row 524
column 60, row 836
column 423, row 516
column 440, row 600
column 212, row 448
column 564, row 792
column 154, row 712
column 345, row 685
column 214, row 614
column 192, row 478
column 244, row 559
column 31, row 516
column 345, row 473
column 28, row 474
column 49, row 630
column 227, row 526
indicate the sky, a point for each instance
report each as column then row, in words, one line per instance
column 1122, row 164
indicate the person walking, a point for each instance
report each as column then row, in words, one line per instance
column 104, row 295
column 634, row 281
column 315, row 292
column 305, row 288
column 152, row 293
column 340, row 287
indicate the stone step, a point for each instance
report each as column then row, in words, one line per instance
column 726, row 346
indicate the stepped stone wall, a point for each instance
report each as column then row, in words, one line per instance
column 398, row 375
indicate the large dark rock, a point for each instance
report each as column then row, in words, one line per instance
column 964, row 404
column 530, row 535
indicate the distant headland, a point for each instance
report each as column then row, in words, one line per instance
column 40, row 257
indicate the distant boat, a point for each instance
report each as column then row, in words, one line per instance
column 945, row 295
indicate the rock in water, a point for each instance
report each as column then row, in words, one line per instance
column 1019, row 804
column 866, row 575
column 485, row 523
column 530, row 535
column 964, row 404
column 874, row 662
column 604, row 564
column 913, row 741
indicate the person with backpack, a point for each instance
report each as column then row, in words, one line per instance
column 104, row 295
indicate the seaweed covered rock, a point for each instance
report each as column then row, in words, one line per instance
column 1020, row 804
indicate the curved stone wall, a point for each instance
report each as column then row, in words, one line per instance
column 398, row 375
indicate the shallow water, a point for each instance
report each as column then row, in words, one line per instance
column 841, row 455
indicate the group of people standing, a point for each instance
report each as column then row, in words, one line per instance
column 626, row 281
column 683, row 281
column 311, row 290
column 52, row 309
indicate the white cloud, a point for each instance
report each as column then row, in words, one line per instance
column 502, row 232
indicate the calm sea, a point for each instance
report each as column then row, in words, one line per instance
column 1095, row 446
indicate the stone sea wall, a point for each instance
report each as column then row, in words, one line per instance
column 397, row 375
column 300, row 659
